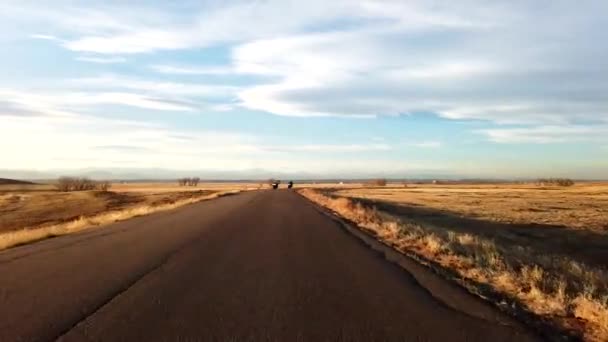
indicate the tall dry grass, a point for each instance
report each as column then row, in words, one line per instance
column 569, row 293
column 24, row 236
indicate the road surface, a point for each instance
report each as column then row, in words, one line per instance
column 258, row 266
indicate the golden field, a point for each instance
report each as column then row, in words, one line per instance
column 583, row 206
column 33, row 212
column 541, row 248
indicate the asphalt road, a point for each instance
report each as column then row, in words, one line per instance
column 259, row 266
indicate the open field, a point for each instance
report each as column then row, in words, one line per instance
column 545, row 249
column 583, row 206
column 32, row 212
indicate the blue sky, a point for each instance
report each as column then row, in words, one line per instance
column 341, row 88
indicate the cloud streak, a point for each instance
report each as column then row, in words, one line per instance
column 102, row 60
column 192, row 70
column 548, row 134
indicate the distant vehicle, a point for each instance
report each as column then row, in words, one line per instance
column 275, row 185
column 290, row 185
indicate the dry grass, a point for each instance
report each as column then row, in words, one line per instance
column 34, row 212
column 566, row 291
column 583, row 206
column 23, row 236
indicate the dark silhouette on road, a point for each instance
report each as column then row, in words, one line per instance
column 259, row 266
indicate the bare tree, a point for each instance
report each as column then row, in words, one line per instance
column 84, row 184
column 104, row 185
column 75, row 184
column 64, row 184
column 194, row 181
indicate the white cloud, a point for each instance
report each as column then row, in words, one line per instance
column 367, row 73
column 138, row 42
column 548, row 134
column 206, row 26
column 35, row 103
column 127, row 99
column 69, row 104
column 101, row 60
column 45, row 37
column 126, row 29
column 427, row 144
column 192, row 70
column 330, row 148
column 162, row 88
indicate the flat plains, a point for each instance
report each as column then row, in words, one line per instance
column 34, row 206
column 559, row 220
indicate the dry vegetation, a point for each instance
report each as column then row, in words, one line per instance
column 583, row 206
column 67, row 184
column 489, row 236
column 189, row 181
column 33, row 212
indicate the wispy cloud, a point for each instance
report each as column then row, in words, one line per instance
column 192, row 70
column 330, row 148
column 162, row 88
column 548, row 134
column 101, row 60
column 427, row 144
column 70, row 104
column 122, row 148
column 45, row 37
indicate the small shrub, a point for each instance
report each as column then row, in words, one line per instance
column 378, row 182
column 555, row 181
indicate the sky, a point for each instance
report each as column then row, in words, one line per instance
column 339, row 88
